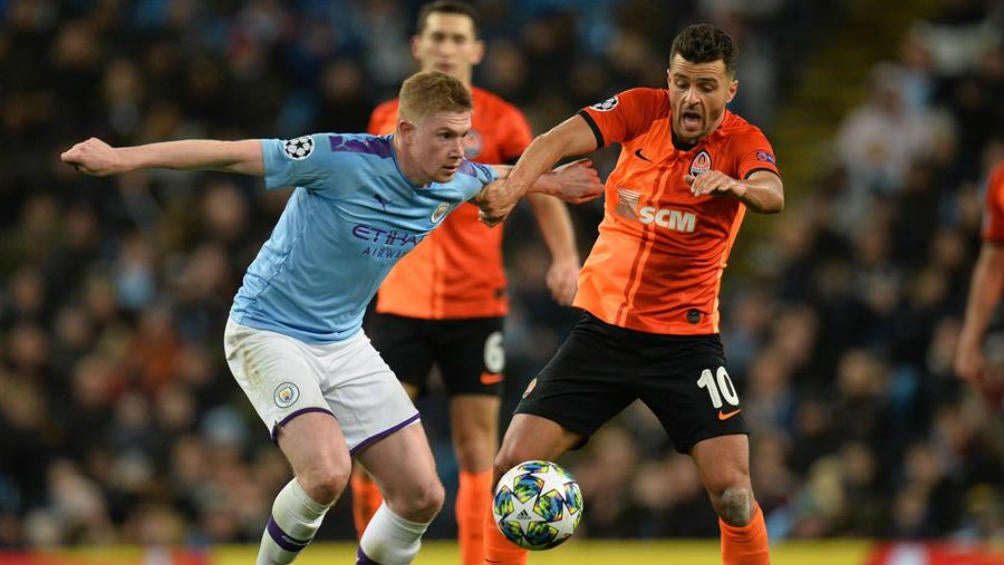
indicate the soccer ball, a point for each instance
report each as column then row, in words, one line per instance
column 537, row 505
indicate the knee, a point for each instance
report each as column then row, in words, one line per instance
column 734, row 505
column 325, row 483
column 474, row 451
column 418, row 503
column 505, row 459
column 422, row 504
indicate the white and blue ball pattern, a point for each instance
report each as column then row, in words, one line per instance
column 537, row 505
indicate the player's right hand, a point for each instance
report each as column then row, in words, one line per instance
column 969, row 363
column 94, row 157
column 563, row 280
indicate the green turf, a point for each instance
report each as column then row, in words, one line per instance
column 586, row 552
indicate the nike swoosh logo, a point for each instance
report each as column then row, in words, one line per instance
column 491, row 378
column 726, row 415
column 640, row 156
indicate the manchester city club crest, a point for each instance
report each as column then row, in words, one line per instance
column 440, row 211
column 701, row 163
column 286, row 394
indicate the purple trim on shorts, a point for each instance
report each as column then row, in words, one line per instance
column 284, row 421
column 382, row 434
column 362, row 559
column 282, row 539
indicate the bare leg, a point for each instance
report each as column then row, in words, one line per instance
column 403, row 467
column 723, row 464
column 315, row 446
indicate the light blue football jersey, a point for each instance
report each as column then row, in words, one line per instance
column 352, row 216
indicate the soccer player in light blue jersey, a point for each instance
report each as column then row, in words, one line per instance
column 294, row 340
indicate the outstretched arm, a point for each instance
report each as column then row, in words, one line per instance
column 985, row 292
column 571, row 137
column 95, row 157
column 574, row 182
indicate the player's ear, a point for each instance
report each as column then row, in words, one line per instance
column 733, row 87
column 406, row 130
column 479, row 52
column 415, row 40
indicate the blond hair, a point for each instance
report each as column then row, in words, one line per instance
column 429, row 92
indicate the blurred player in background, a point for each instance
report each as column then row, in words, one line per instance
column 984, row 295
column 443, row 305
column 687, row 172
column 294, row 340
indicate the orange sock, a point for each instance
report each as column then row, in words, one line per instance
column 473, row 500
column 366, row 499
column 498, row 550
column 745, row 545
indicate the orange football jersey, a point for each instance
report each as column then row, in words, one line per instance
column 658, row 261
column 993, row 219
column 457, row 271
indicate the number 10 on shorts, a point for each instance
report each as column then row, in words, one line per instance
column 719, row 385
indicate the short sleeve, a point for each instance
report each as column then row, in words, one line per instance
column 753, row 153
column 296, row 162
column 993, row 215
column 472, row 177
column 625, row 115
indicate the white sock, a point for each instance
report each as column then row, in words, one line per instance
column 390, row 539
column 295, row 518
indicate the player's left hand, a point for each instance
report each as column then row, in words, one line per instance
column 715, row 183
column 563, row 280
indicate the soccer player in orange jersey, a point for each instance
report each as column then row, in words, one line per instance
column 688, row 171
column 985, row 293
column 444, row 303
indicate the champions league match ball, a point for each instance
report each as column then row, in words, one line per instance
column 537, row 505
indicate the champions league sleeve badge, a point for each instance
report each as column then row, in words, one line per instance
column 299, row 148
column 606, row 105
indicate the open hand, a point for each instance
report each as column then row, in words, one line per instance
column 714, row 183
column 577, row 182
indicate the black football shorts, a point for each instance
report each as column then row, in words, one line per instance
column 602, row 368
column 469, row 352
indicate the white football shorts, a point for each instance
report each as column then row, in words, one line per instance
column 284, row 377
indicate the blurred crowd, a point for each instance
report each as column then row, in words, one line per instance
column 119, row 421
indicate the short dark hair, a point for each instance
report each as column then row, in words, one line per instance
column 446, row 7
column 705, row 43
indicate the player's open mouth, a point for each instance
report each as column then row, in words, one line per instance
column 691, row 120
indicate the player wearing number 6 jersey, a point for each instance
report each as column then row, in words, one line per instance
column 294, row 340
column 688, row 171
column 444, row 304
